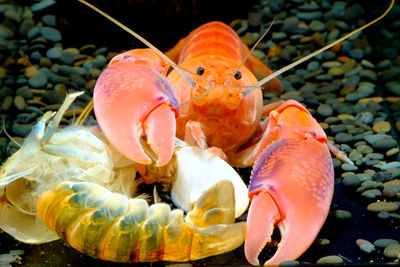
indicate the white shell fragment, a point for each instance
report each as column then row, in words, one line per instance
column 197, row 171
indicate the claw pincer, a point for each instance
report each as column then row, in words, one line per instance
column 136, row 107
column 291, row 185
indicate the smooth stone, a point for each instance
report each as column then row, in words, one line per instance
column 5, row 32
column 368, row 74
column 383, row 215
column 351, row 181
column 372, row 138
column 365, row 246
column 7, row 103
column 367, row 64
column 31, row 71
column 342, row 214
column 49, row 20
column 42, row 5
column 356, row 53
column 21, row 129
column 338, row 128
column 385, row 143
column 54, row 52
column 51, row 34
column 38, row 81
column 349, row 167
column 332, row 259
column 382, row 176
column 325, row 110
column 371, row 193
column 289, row 263
column 375, row 156
column 364, row 149
column 337, row 71
column 312, row 66
column 25, row 92
column 389, row 165
column 19, row 102
column 371, row 184
column 365, row 117
column 317, row 26
column 382, row 206
column 392, row 151
column 343, row 138
column 26, row 25
column 385, row 242
column 392, row 251
column 308, row 16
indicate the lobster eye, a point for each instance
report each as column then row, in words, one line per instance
column 200, row 70
column 238, row 75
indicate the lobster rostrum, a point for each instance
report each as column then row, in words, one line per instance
column 71, row 183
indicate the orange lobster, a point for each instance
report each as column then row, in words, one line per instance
column 292, row 179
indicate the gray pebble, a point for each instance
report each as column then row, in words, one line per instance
column 392, row 251
column 21, row 129
column 42, row 5
column 351, row 180
column 49, row 20
column 368, row 74
column 365, row 117
column 325, row 110
column 349, row 167
column 385, row 143
column 338, row 128
column 54, row 52
column 38, row 81
column 389, row 165
column 365, row 246
column 371, row 193
column 356, row 53
column 342, row 214
column 375, row 156
column 317, row 26
column 383, row 215
column 289, row 263
column 50, row 34
column 343, row 138
column 371, row 184
column 7, row 103
column 19, row 102
column 384, row 242
column 332, row 259
column 382, row 176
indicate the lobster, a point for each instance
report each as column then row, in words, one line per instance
column 71, row 183
column 220, row 108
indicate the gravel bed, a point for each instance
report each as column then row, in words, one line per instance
column 353, row 90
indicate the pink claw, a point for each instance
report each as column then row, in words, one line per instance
column 136, row 107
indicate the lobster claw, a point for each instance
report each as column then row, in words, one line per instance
column 136, row 107
column 291, row 188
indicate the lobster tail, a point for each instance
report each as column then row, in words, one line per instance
column 111, row 227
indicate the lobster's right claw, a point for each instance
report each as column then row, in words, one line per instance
column 136, row 108
column 291, row 188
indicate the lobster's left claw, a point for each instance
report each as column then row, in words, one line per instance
column 291, row 188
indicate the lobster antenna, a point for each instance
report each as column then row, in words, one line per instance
column 250, row 52
column 85, row 113
column 148, row 44
column 278, row 72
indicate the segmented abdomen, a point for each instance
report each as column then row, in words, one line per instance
column 109, row 226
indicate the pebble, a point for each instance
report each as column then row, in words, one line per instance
column 38, row 81
column 54, row 52
column 325, row 110
column 343, row 138
column 382, row 206
column 342, row 214
column 364, row 149
column 317, row 26
column 42, row 5
column 289, row 263
column 392, row 251
column 7, row 103
column 19, row 102
column 382, row 127
column 31, row 71
column 332, row 259
column 349, row 167
column 383, row 215
column 365, row 246
column 371, row 193
column 351, row 181
column 385, row 242
column 51, row 34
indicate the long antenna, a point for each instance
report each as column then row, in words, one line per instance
column 278, row 72
column 147, row 43
column 251, row 51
